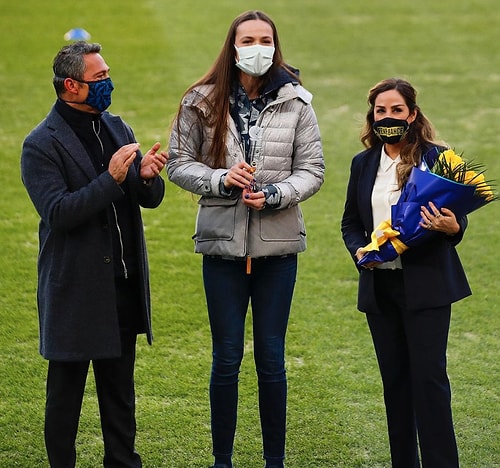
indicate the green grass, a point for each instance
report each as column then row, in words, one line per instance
column 448, row 49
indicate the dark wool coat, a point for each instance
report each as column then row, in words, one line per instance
column 76, row 295
column 433, row 273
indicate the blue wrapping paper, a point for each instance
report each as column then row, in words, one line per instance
column 421, row 188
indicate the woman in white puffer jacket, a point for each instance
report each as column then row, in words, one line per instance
column 247, row 140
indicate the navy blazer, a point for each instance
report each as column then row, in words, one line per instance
column 433, row 273
column 76, row 294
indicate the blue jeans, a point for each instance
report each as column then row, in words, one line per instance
column 229, row 290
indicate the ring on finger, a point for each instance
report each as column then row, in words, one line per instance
column 429, row 225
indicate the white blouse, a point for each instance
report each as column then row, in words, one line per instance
column 385, row 193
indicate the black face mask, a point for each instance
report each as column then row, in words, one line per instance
column 391, row 130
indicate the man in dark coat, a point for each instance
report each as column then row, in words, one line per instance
column 88, row 180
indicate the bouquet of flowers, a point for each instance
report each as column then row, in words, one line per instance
column 453, row 183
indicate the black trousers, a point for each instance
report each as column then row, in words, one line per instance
column 411, row 353
column 114, row 380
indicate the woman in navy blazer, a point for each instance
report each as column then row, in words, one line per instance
column 407, row 301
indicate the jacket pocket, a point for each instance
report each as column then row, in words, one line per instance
column 216, row 219
column 282, row 225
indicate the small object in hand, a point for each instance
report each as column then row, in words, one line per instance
column 253, row 184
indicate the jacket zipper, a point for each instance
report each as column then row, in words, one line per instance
column 248, row 259
column 122, row 250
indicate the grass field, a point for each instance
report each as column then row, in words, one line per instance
column 449, row 49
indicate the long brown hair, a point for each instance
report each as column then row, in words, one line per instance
column 420, row 134
column 222, row 74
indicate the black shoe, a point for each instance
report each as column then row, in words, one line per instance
column 221, row 465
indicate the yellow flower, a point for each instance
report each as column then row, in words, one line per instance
column 452, row 158
column 451, row 166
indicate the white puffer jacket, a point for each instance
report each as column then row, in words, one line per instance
column 288, row 153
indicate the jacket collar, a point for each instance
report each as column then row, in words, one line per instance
column 277, row 78
column 64, row 134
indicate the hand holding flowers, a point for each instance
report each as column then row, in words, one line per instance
column 452, row 188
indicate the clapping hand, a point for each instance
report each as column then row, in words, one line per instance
column 153, row 162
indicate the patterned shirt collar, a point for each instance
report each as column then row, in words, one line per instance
column 245, row 112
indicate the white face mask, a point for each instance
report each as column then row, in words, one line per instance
column 255, row 60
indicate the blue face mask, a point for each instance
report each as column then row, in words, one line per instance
column 99, row 96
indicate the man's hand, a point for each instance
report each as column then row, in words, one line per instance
column 153, row 162
column 121, row 161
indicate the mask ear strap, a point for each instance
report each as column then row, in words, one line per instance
column 69, row 89
column 70, row 80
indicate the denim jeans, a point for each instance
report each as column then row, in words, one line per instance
column 229, row 291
